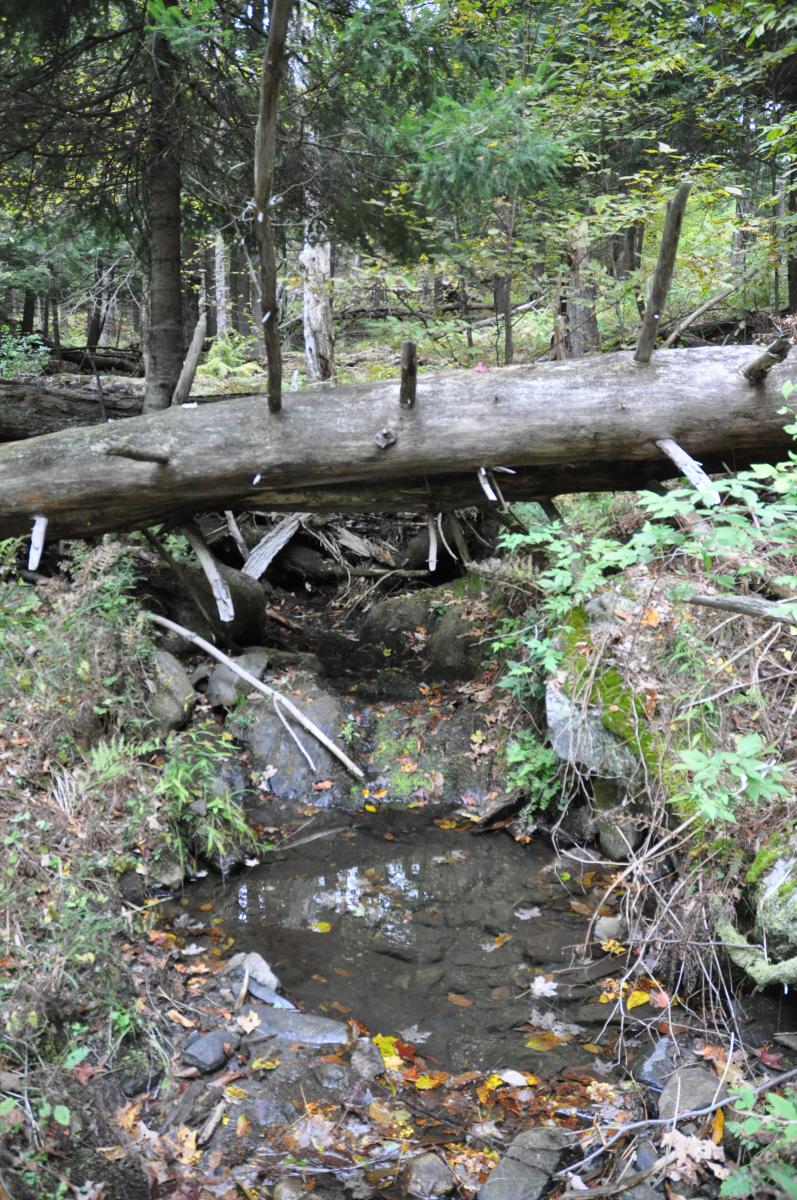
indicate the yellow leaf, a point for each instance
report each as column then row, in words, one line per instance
column 179, row 1019
column 543, row 1041
column 370, row 808
column 388, row 1049
column 489, row 1085
column 718, row 1126
column 265, row 1064
column 234, row 1094
column 320, row 926
column 612, row 946
column 591, row 1048
column 242, row 1126
column 636, row 998
column 425, row 1083
column 652, row 618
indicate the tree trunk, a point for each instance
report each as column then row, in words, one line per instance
column 192, row 286
column 742, row 234
column 56, row 331
column 566, row 427
column 209, row 288
column 319, row 334
column 239, row 289
column 220, row 279
column 582, row 321
column 166, row 318
column 791, row 244
column 265, row 157
column 28, row 312
column 45, row 306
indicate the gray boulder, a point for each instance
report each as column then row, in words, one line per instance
column 690, row 1088
column 428, row 1176
column 287, row 1025
column 275, row 752
column 225, row 686
column 211, row 1050
column 172, row 698
column 527, row 1165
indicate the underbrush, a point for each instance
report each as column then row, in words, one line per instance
column 89, row 791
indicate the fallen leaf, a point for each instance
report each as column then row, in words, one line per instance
column 460, row 1001
column 248, row 1021
column 636, row 999
column 770, row 1058
column 652, row 618
column 433, row 1079
column 179, row 1019
column 243, row 1126
column 320, row 926
column 718, row 1126
column 265, row 1064
column 516, row 1078
column 485, row 1089
column 322, row 785
column 543, row 1041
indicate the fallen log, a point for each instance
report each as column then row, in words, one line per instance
column 587, row 424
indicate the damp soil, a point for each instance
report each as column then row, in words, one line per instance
column 422, row 930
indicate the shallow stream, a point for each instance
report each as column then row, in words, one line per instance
column 417, row 927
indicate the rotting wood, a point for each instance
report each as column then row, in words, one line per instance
column 775, row 353
column 562, row 427
column 663, row 274
column 409, row 375
column 266, row 550
column 210, row 568
column 255, row 683
column 784, row 611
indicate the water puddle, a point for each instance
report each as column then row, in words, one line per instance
column 445, row 937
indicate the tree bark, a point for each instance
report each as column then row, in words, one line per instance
column 28, row 312
column 583, row 336
column 220, row 285
column 355, row 447
column 319, row 335
column 791, row 244
column 265, row 159
column 209, row 288
column 165, row 356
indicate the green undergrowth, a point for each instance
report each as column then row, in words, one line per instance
column 89, row 791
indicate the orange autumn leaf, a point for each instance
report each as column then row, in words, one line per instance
column 652, row 618
column 544, row 1041
column 460, row 1001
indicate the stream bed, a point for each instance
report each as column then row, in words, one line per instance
column 420, row 928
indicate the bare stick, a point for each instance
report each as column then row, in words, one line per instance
column 715, row 299
column 409, row 374
column 296, row 713
column 760, row 367
column 218, row 585
column 750, row 606
column 269, row 546
column 689, row 467
column 235, row 534
column 663, row 274
column 191, row 361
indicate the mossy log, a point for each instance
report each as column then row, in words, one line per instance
column 584, row 425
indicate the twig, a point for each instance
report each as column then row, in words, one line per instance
column 715, row 299
column 685, row 1116
column 293, row 734
column 622, row 1185
column 295, row 712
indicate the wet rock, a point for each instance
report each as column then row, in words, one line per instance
column 689, row 1088
column 132, row 887
column 268, row 996
column 389, row 621
column 138, row 1078
column 578, row 736
column 656, row 1068
column 211, row 1050
column 526, row 1166
column 643, row 1191
column 259, row 970
column 428, row 1176
column 172, row 698
column 366, row 1061
column 275, row 752
column 225, row 686
column 291, row 1026
column 455, row 650
column 166, row 872
column 290, row 1189
column 335, row 1078
column 776, row 904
